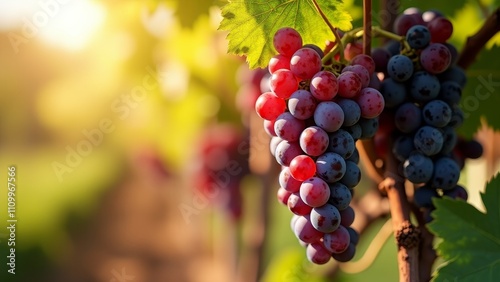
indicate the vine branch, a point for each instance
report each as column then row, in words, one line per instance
column 476, row 42
column 332, row 28
column 367, row 26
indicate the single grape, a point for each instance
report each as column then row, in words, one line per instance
column 329, row 116
column 435, row 58
column 278, row 62
column 375, row 82
column 287, row 41
column 457, row 117
column 429, row 15
column 346, row 255
column 287, row 182
column 317, row 253
column 269, row 127
column 393, row 47
column 428, row 140
column 450, row 139
column 371, row 102
column 408, row 118
column 380, row 57
column 365, row 61
column 354, row 235
column 403, row 23
column 402, row 147
column 286, row 152
column 418, row 168
column 352, row 174
column 283, row 83
column 273, row 144
column 353, row 49
column 400, row 68
column 337, row 241
column 297, row 206
column 302, row 167
column 354, row 158
column 351, row 109
column 347, row 217
column 423, row 197
column 369, row 127
column 424, row 86
column 441, row 29
column 453, row 51
column 457, row 192
column 302, row 104
column 314, row 191
column 305, row 232
column 446, row 173
column 437, row 113
column 355, row 130
column 283, row 196
column 418, row 37
column 287, row 127
column 324, row 86
column 305, row 63
column 361, row 71
column 454, row 73
column 394, row 93
column 314, row 141
column 472, row 149
column 340, row 196
column 349, row 84
column 330, row 167
column 342, row 143
column 450, row 92
column 269, row 106
column 325, row 218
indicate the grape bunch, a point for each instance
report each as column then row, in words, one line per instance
column 315, row 115
column 422, row 90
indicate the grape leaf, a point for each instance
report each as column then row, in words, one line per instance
column 471, row 239
column 481, row 96
column 252, row 24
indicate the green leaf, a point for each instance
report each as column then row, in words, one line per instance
column 471, row 239
column 481, row 96
column 252, row 24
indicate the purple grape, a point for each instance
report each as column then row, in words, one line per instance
column 342, row 143
column 400, row 68
column 330, row 167
column 325, row 218
column 340, row 196
column 408, row 118
column 428, row 140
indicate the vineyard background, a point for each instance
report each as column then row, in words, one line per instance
column 116, row 211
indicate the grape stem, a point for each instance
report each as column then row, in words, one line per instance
column 332, row 28
column 367, row 26
column 476, row 42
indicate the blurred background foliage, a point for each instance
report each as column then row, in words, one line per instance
column 117, row 206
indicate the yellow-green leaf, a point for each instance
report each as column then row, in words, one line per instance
column 252, row 23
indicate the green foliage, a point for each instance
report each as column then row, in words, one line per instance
column 480, row 98
column 252, row 24
column 471, row 239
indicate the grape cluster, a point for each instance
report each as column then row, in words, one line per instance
column 315, row 115
column 422, row 90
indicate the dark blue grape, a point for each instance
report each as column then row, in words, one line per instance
column 381, row 57
column 453, row 52
column 393, row 47
column 330, row 167
column 394, row 92
column 352, row 111
column 457, row 192
column 424, row 86
column 423, row 197
column 437, row 113
column 340, row 196
column 418, row 37
column 454, row 73
column 369, row 127
column 400, row 68
column 347, row 217
column 450, row 139
column 352, row 174
column 356, row 131
column 355, row 157
column 402, row 147
column 457, row 117
column 408, row 118
column 346, row 255
column 450, row 92
column 428, row 140
column 418, row 168
column 446, row 174
column 342, row 143
column 354, row 235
